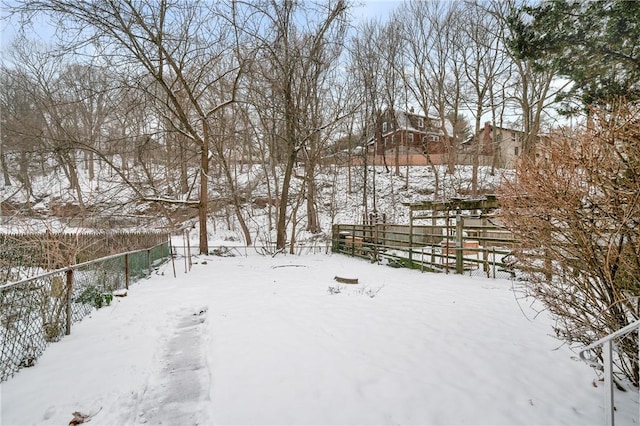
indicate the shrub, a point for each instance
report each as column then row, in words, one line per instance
column 575, row 208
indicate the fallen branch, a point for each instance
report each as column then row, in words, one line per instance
column 346, row 280
column 288, row 266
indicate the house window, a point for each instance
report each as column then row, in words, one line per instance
column 386, row 141
column 410, row 138
column 516, row 151
column 514, row 137
column 420, row 122
column 384, row 126
column 434, row 138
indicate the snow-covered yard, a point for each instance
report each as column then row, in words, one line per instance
column 261, row 340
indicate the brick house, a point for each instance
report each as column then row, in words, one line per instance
column 407, row 138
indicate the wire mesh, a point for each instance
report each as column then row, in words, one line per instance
column 25, row 255
column 41, row 310
column 32, row 314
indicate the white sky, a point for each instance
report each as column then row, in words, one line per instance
column 367, row 9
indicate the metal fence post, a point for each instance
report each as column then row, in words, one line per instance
column 69, row 283
column 148, row 263
column 126, row 271
column 608, row 382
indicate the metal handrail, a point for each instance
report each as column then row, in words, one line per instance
column 607, row 361
column 625, row 330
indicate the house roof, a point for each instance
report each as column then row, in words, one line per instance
column 493, row 127
column 409, row 121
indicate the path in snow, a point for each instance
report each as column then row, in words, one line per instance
column 181, row 395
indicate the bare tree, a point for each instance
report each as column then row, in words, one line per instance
column 16, row 118
column 296, row 42
column 179, row 45
column 39, row 112
column 435, row 54
column 367, row 66
column 484, row 62
column 527, row 89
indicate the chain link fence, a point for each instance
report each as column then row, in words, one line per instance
column 40, row 310
column 25, row 255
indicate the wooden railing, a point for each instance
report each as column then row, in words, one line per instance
column 459, row 244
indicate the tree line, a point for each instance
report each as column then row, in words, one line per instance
column 173, row 96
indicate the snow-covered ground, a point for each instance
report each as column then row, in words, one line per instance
column 262, row 340
column 339, row 199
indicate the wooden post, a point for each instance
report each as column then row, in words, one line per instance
column 485, row 255
column 410, row 241
column 375, row 243
column 188, row 251
column 69, row 283
column 184, row 249
column 353, row 241
column 459, row 245
column 433, row 257
column 448, row 235
column 173, row 258
column 493, row 249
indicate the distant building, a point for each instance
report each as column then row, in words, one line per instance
column 407, row 138
column 499, row 146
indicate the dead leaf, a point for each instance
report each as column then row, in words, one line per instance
column 79, row 418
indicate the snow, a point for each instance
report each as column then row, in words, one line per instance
column 262, row 340
column 337, row 201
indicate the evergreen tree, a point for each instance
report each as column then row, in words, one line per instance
column 596, row 44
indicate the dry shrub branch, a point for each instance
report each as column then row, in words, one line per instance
column 575, row 207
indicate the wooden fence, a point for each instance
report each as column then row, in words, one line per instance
column 459, row 244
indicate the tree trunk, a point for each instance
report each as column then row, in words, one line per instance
column 184, row 176
column 203, row 206
column 313, row 224
column 92, row 172
column 24, row 176
column 281, row 237
column 5, row 169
